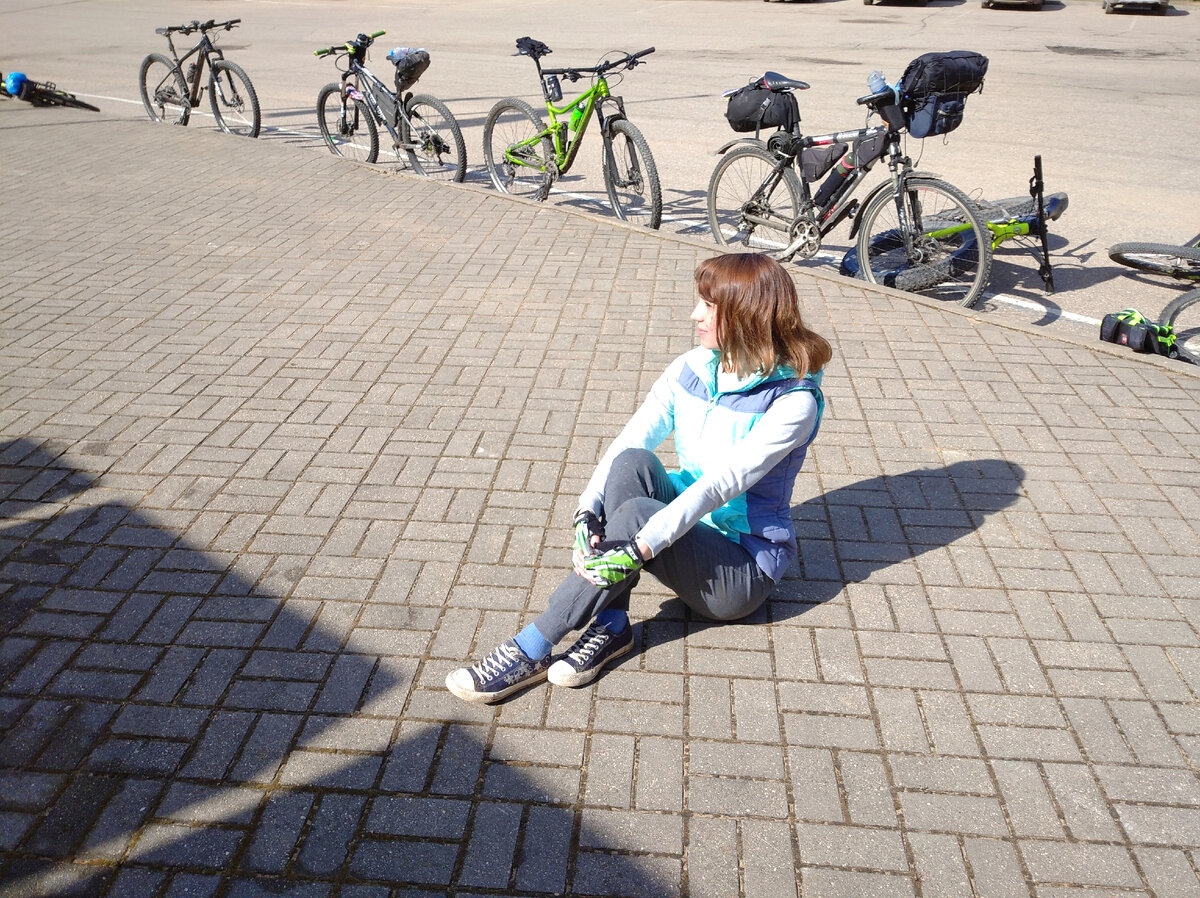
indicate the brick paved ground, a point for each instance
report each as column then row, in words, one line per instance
column 283, row 440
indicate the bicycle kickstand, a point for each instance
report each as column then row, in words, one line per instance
column 1036, row 190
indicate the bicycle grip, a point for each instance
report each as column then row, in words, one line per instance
column 645, row 52
column 378, row 34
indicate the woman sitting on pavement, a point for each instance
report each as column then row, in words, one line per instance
column 744, row 406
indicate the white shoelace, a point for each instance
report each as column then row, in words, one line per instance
column 497, row 662
column 593, row 641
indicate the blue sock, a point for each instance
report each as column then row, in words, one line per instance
column 614, row 619
column 533, row 643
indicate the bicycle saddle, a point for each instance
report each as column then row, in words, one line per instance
column 776, row 81
column 527, row 46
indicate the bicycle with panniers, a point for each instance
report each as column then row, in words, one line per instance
column 351, row 111
column 170, row 93
column 914, row 231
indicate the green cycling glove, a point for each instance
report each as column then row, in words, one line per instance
column 587, row 525
column 613, row 563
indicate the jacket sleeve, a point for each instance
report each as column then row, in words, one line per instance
column 649, row 426
column 787, row 424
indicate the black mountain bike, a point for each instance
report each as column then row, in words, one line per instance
column 40, row 93
column 169, row 92
column 350, row 112
column 915, row 231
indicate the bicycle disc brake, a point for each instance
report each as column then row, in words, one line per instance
column 804, row 239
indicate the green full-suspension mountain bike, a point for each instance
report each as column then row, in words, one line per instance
column 524, row 156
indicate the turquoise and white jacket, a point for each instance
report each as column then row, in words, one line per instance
column 740, row 445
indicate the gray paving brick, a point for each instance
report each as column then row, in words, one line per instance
column 996, row 869
column 829, row 883
column 544, row 865
column 869, row 795
column 940, row 865
column 1094, row 865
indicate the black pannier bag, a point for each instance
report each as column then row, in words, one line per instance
column 935, row 88
column 410, row 65
column 756, row 107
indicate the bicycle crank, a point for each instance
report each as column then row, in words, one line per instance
column 805, row 240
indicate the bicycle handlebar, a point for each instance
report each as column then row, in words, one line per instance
column 629, row 61
column 359, row 43
column 197, row 25
column 885, row 97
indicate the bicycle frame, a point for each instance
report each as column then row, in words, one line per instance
column 566, row 144
column 205, row 50
column 356, row 71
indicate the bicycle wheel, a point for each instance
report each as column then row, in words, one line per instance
column 1183, row 314
column 434, row 142
column 947, row 253
column 164, row 91
column 1181, row 262
column 631, row 176
column 234, row 102
column 749, row 203
column 348, row 128
column 517, row 159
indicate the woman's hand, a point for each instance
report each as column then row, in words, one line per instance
column 611, row 563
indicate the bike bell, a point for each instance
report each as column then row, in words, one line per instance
column 14, row 81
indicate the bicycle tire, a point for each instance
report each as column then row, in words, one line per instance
column 234, row 106
column 164, row 88
column 352, row 136
column 1187, row 327
column 1180, row 262
column 512, row 122
column 954, row 266
column 631, row 177
column 434, row 141
column 733, row 200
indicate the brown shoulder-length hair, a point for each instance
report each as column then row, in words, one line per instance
column 758, row 321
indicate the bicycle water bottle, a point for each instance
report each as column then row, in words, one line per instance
column 876, row 82
column 576, row 117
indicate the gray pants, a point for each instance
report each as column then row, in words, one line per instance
column 713, row 575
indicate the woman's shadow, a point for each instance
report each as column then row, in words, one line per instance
column 849, row 534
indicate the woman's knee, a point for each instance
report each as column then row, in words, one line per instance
column 630, row 516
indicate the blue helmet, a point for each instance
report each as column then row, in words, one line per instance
column 13, row 82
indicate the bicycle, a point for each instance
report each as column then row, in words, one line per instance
column 39, row 93
column 167, row 93
column 1183, row 315
column 1014, row 218
column 1180, row 262
column 525, row 157
column 915, row 231
column 420, row 125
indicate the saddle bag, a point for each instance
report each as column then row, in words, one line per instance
column 1130, row 328
column 754, row 107
column 410, row 65
column 935, row 87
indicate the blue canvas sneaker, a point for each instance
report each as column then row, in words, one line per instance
column 504, row 671
column 595, row 648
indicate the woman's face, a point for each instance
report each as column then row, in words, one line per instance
column 705, row 316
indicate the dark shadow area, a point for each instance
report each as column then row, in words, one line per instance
column 168, row 727
column 849, row 533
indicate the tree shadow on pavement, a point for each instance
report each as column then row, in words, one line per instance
column 169, row 726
